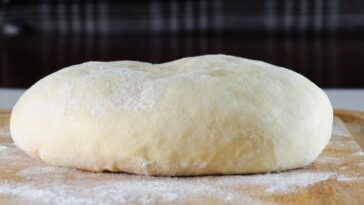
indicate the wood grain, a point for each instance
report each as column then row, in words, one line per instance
column 336, row 177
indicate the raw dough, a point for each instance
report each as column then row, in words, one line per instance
column 212, row 114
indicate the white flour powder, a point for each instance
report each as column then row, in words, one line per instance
column 2, row 148
column 84, row 188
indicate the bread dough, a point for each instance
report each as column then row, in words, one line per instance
column 211, row 114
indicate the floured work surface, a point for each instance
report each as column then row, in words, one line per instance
column 336, row 177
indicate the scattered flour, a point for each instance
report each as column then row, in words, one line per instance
column 152, row 190
column 4, row 133
column 42, row 170
column 344, row 178
column 339, row 129
column 283, row 182
column 360, row 153
column 2, row 148
column 8, row 152
column 119, row 193
column 341, row 132
column 109, row 188
column 329, row 160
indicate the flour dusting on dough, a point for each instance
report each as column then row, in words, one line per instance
column 125, row 90
column 207, row 114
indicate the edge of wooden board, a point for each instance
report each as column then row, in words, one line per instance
column 354, row 122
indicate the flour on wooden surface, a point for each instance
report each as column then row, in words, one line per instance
column 4, row 133
column 137, row 189
column 85, row 188
column 344, row 178
column 329, row 160
column 360, row 153
column 10, row 153
column 2, row 148
column 280, row 182
column 339, row 129
column 142, row 192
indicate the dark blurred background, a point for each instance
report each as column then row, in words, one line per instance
column 321, row 39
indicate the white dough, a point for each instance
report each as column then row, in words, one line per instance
column 212, row 114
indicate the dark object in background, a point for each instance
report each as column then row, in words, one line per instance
column 323, row 40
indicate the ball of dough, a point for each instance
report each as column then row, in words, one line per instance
column 212, row 114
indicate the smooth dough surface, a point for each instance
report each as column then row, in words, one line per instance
column 212, row 114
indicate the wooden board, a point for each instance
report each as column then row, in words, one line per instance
column 336, row 177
